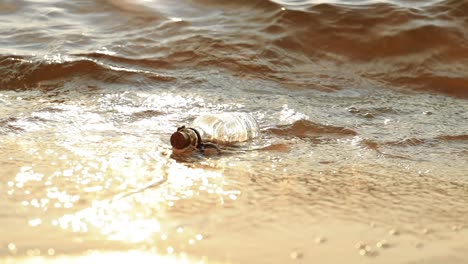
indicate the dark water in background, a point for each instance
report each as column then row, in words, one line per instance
column 362, row 104
column 416, row 45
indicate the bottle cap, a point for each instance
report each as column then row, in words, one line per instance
column 184, row 138
column 180, row 140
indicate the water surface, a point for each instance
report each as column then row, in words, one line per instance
column 362, row 155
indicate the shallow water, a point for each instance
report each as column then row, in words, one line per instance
column 362, row 155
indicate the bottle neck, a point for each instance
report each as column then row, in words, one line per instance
column 186, row 139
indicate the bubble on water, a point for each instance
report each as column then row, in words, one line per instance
column 12, row 248
column 394, row 232
column 320, row 240
column 51, row 252
column 367, row 251
column 199, row 237
column 382, row 244
column 296, row 255
column 425, row 231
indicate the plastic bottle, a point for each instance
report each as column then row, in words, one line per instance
column 222, row 128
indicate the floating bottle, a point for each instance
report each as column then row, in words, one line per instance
column 209, row 130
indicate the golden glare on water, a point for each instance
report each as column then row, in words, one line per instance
column 91, row 186
column 125, row 216
column 94, row 180
column 140, row 194
column 132, row 256
column 363, row 147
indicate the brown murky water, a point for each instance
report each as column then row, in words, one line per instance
column 362, row 156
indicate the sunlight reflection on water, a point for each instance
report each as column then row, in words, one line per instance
column 115, row 257
column 127, row 217
column 97, row 169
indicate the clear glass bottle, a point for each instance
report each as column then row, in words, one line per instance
column 222, row 128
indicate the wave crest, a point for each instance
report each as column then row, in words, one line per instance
column 28, row 72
